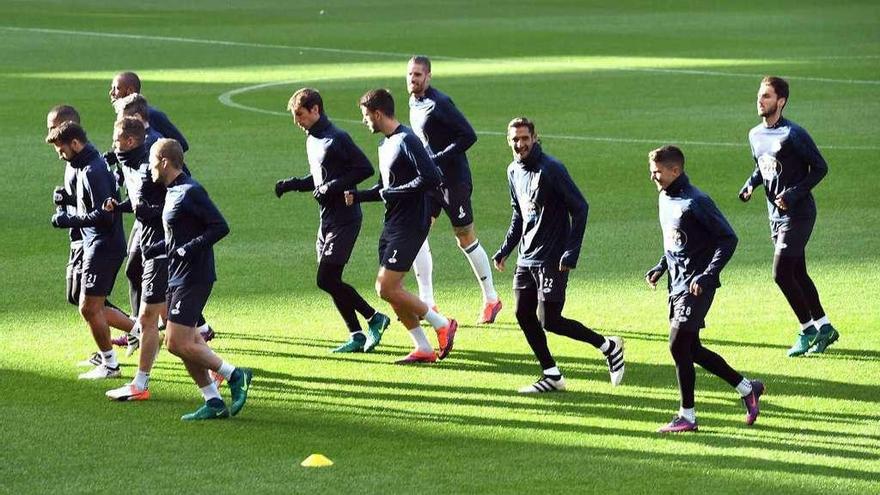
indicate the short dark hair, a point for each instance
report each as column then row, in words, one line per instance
column 378, row 99
column 64, row 113
column 779, row 85
column 132, row 127
column 306, row 98
column 170, row 150
column 421, row 60
column 667, row 156
column 133, row 104
column 130, row 79
column 66, row 133
column 523, row 122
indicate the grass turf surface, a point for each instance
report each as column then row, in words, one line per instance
column 605, row 86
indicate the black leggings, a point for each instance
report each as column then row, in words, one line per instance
column 346, row 299
column 134, row 271
column 686, row 350
column 790, row 274
column 535, row 316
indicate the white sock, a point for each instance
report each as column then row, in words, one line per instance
column 210, row 391
column 822, row 321
column 810, row 325
column 744, row 388
column 204, row 328
column 226, row 369
column 110, row 359
column 476, row 255
column 136, row 330
column 605, row 346
column 423, row 267
column 435, row 319
column 141, row 380
column 420, row 340
column 554, row 371
column 688, row 414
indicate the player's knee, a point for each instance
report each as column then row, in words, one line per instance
column 386, row 292
column 176, row 347
column 325, row 283
column 88, row 310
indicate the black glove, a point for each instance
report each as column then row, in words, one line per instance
column 111, row 158
column 320, row 194
column 61, row 220
column 286, row 185
column 60, row 196
column 153, row 250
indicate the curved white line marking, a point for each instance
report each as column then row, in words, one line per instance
column 226, row 99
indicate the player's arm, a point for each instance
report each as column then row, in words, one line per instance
column 100, row 187
column 577, row 207
column 301, row 184
column 206, row 211
column 754, row 180
column 358, row 168
column 514, row 231
column 162, row 124
column 372, row 194
column 653, row 275
column 463, row 134
column 427, row 173
column 807, row 151
column 722, row 234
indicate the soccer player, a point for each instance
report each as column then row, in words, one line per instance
column 698, row 242
column 126, row 83
column 192, row 226
column 406, row 173
column 548, row 223
column 789, row 165
column 103, row 241
column 145, row 199
column 64, row 198
column 447, row 136
column 336, row 165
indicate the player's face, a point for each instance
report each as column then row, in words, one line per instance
column 768, row 102
column 305, row 119
column 521, row 141
column 418, row 79
column 65, row 151
column 121, row 142
column 118, row 90
column 156, row 167
column 370, row 119
column 662, row 176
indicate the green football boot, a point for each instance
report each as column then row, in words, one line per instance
column 377, row 325
column 355, row 344
column 827, row 335
column 207, row 412
column 802, row 343
column 239, row 388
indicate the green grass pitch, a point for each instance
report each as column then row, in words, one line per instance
column 605, row 84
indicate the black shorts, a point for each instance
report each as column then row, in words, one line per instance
column 456, row 201
column 790, row 237
column 687, row 312
column 336, row 242
column 154, row 282
column 186, row 302
column 549, row 282
column 99, row 272
column 398, row 247
column 74, row 272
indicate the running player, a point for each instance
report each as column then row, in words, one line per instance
column 789, row 165
column 406, row 173
column 192, row 226
column 447, row 135
column 336, row 165
column 698, row 242
column 548, row 223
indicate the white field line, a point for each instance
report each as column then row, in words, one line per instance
column 226, row 99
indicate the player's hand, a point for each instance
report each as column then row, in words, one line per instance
column 154, row 250
column 780, row 202
column 111, row 158
column 349, row 197
column 320, row 194
column 499, row 262
column 695, row 288
column 60, row 196
column 61, row 220
column 279, row 188
column 180, row 253
column 746, row 194
column 565, row 268
column 109, row 204
column 652, row 277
